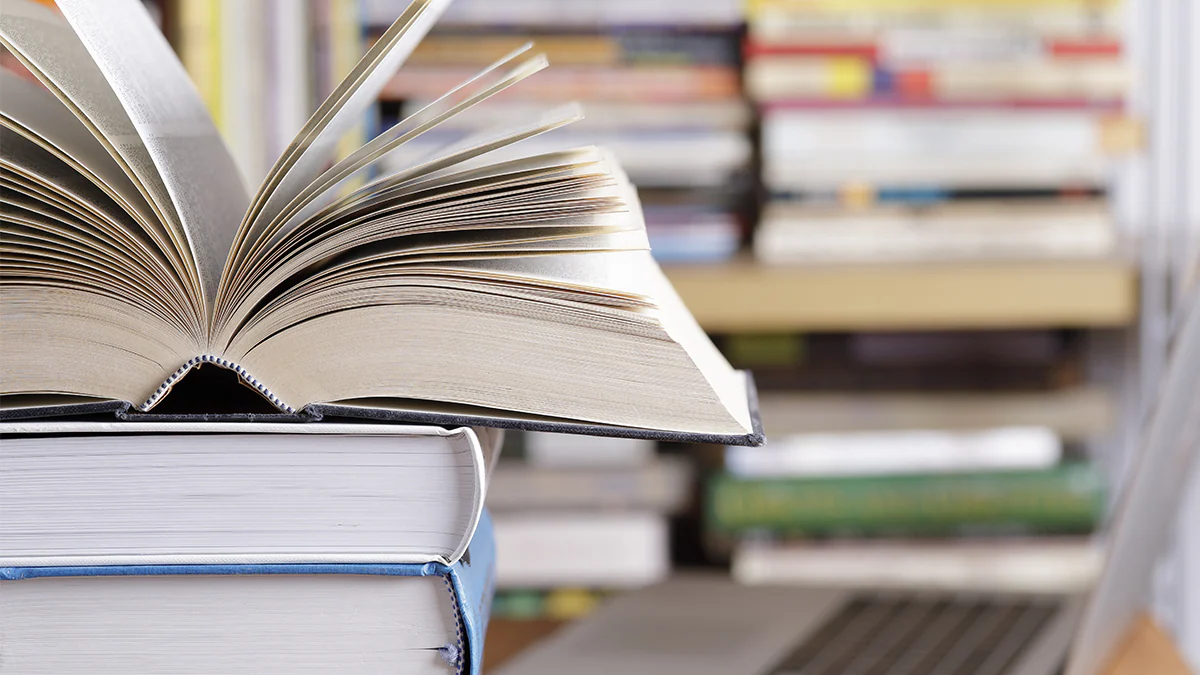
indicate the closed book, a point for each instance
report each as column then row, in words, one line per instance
column 1075, row 414
column 1067, row 499
column 973, row 565
column 676, row 158
column 557, row 14
column 798, row 233
column 565, row 451
column 595, row 549
column 668, row 83
column 230, row 617
column 782, row 77
column 709, row 238
column 616, row 116
column 80, row 493
column 662, row 485
column 908, row 148
column 783, row 26
column 616, row 48
column 898, row 452
column 926, row 45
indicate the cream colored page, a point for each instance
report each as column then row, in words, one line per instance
column 29, row 160
column 48, row 44
column 302, row 165
column 38, row 111
column 727, row 383
column 485, row 85
column 172, row 121
column 469, row 154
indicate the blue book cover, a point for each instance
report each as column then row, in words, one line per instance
column 470, row 582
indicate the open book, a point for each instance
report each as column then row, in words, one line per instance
column 453, row 288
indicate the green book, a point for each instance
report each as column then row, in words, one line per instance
column 1067, row 499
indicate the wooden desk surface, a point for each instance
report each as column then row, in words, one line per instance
column 508, row 637
column 1147, row 649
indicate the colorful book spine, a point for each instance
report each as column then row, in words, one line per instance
column 346, row 48
column 851, row 6
column 199, row 30
column 1067, row 499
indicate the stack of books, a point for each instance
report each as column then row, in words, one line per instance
column 660, row 87
column 255, row 434
column 925, row 130
column 138, row 547
column 582, row 514
column 952, row 461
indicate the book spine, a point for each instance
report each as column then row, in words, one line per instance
column 200, row 51
column 346, row 41
column 885, row 47
column 469, row 582
column 754, row 7
column 472, row 582
column 857, row 78
column 619, row 48
column 657, row 83
column 1064, row 500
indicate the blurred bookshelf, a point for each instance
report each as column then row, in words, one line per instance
column 900, row 216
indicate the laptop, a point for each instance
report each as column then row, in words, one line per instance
column 707, row 625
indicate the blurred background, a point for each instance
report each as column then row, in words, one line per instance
column 947, row 237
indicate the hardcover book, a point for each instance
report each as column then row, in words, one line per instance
column 451, row 288
column 93, row 493
column 293, row 619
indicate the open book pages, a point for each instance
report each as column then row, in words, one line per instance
column 133, row 253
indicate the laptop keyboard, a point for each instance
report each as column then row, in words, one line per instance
column 921, row 636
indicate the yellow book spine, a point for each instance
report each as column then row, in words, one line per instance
column 849, row 78
column 200, row 51
column 347, row 49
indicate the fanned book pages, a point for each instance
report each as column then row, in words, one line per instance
column 449, row 289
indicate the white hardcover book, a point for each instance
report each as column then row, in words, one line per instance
column 780, row 24
column 597, row 549
column 98, row 493
column 782, row 77
column 662, row 485
column 882, row 453
column 818, row 149
column 1076, row 414
column 795, row 233
column 550, row 450
column 1049, row 565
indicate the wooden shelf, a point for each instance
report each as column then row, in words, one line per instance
column 744, row 296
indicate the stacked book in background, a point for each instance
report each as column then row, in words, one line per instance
column 577, row 517
column 935, row 460
column 924, row 130
column 262, row 66
column 660, row 86
column 990, row 362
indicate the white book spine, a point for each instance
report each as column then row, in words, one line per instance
column 898, row 452
column 1035, row 566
